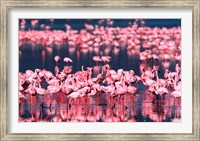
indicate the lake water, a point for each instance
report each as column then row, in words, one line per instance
column 128, row 108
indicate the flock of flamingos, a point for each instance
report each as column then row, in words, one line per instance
column 153, row 45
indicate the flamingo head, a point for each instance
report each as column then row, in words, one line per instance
column 37, row 71
column 142, row 78
column 166, row 71
column 89, row 69
column 170, row 82
column 107, row 66
column 132, row 72
column 100, row 76
column 57, row 58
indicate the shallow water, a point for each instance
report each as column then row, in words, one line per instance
column 99, row 108
column 139, row 108
column 33, row 56
column 127, row 108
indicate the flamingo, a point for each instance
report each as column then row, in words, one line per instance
column 161, row 82
column 41, row 91
column 57, row 59
column 176, row 93
column 67, row 69
column 106, row 59
column 113, row 83
column 28, row 73
column 53, row 89
column 148, row 73
column 67, row 89
column 132, row 90
column 67, row 60
column 75, row 95
column 160, row 90
column 97, row 59
column 120, row 88
column 178, row 69
column 147, row 81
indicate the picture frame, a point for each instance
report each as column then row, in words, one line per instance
column 8, row 4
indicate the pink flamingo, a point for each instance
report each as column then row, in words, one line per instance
column 67, row 60
column 148, row 73
column 67, row 69
column 132, row 90
column 160, row 90
column 57, row 59
column 161, row 82
column 178, row 69
column 53, row 88
column 106, row 59
column 75, row 95
column 147, row 81
column 67, row 89
column 176, row 93
column 97, row 59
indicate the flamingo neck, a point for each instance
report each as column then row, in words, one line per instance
column 157, row 77
column 175, row 82
column 82, row 69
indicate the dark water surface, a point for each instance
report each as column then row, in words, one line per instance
column 34, row 56
column 59, row 24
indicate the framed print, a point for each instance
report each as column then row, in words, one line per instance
column 102, row 70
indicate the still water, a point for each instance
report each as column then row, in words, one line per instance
column 139, row 108
column 142, row 107
column 33, row 56
column 128, row 108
